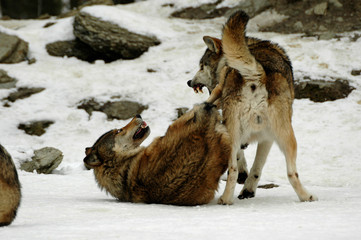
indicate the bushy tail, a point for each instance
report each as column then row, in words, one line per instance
column 236, row 49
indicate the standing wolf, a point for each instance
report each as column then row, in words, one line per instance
column 10, row 194
column 253, row 82
column 183, row 167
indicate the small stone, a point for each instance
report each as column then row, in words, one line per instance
column 298, row 26
column 336, row 3
column 6, row 81
column 35, row 128
column 320, row 9
column 356, row 72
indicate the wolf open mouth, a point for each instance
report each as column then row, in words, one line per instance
column 198, row 88
column 141, row 131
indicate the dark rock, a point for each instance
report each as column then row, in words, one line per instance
column 23, row 93
column 6, row 82
column 110, row 39
column 121, row 110
column 151, row 70
column 78, row 49
column 356, row 72
column 45, row 160
column 12, row 49
column 23, row 9
column 321, row 91
column 35, row 128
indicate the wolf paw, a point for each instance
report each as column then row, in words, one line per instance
column 246, row 194
column 311, row 198
column 242, row 176
column 223, row 201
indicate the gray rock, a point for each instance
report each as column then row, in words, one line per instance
column 12, row 49
column 6, row 81
column 110, row 39
column 298, row 26
column 321, row 91
column 45, row 160
column 320, row 9
column 114, row 110
column 78, row 49
column 336, row 3
column 37, row 128
column 22, row 93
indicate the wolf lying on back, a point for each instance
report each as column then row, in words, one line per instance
column 253, row 82
column 183, row 167
column 10, row 193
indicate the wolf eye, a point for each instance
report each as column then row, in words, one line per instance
column 119, row 130
column 201, row 67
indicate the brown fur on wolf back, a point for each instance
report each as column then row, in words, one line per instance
column 273, row 60
column 9, row 188
column 182, row 168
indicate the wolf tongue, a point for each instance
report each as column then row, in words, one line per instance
column 138, row 131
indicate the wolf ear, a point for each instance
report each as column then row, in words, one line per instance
column 214, row 44
column 92, row 160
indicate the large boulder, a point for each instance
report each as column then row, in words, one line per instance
column 45, row 160
column 12, row 49
column 321, row 91
column 78, row 49
column 109, row 39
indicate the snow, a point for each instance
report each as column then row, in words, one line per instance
column 68, row 203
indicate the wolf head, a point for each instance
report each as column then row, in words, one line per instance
column 117, row 142
column 209, row 66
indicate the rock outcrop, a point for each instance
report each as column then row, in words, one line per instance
column 45, row 160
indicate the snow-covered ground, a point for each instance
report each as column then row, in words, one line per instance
column 69, row 205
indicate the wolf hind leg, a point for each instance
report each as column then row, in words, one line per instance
column 288, row 145
column 250, row 185
column 227, row 196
